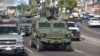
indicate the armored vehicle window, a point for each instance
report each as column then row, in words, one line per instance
column 27, row 21
column 7, row 30
column 59, row 25
column 41, row 24
column 71, row 24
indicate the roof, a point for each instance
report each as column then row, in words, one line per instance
column 91, row 14
column 46, row 20
column 27, row 18
column 94, row 18
column 70, row 22
column 96, row 15
column 7, row 21
column 6, row 25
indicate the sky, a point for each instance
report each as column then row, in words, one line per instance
column 82, row 1
column 23, row 1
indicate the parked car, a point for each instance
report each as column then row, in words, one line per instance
column 97, row 16
column 94, row 22
column 11, row 42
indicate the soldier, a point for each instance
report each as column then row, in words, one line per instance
column 71, row 18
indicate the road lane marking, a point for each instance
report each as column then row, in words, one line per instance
column 91, row 40
column 28, row 50
column 79, row 51
column 92, row 31
column 92, row 43
column 32, row 53
column 97, row 32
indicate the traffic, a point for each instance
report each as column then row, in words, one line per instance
column 33, row 34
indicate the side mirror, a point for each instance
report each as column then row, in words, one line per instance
column 22, row 34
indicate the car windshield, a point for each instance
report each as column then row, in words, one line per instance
column 27, row 21
column 59, row 25
column 7, row 30
column 42, row 24
column 71, row 24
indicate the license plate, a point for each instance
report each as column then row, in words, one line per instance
column 8, row 49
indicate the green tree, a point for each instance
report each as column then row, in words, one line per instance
column 23, row 7
column 68, row 4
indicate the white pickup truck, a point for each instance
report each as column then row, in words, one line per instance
column 72, row 26
column 10, row 41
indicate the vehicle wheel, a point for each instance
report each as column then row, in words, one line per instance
column 39, row 45
column 78, row 39
column 68, row 47
column 31, row 44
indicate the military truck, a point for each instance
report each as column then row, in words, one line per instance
column 11, row 42
column 50, row 33
column 24, row 24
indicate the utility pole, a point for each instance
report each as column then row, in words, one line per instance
column 84, row 5
column 99, row 6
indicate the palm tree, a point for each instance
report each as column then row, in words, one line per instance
column 32, row 5
column 47, row 3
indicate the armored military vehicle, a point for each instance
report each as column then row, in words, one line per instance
column 50, row 33
column 11, row 42
column 24, row 24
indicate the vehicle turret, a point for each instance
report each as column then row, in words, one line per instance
column 52, row 13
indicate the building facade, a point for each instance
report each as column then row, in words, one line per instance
column 42, row 3
column 92, row 5
column 10, row 2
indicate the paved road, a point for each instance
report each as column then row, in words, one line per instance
column 90, row 31
column 27, row 53
column 80, row 48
